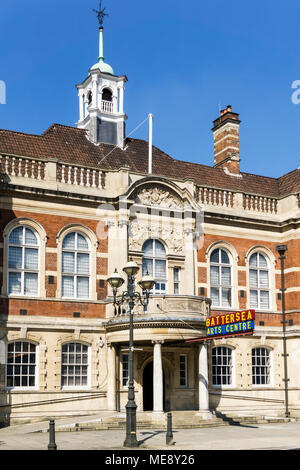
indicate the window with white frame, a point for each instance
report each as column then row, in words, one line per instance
column 21, row 364
column 261, row 366
column 220, row 278
column 183, row 370
column 23, row 262
column 222, row 366
column 155, row 264
column 125, row 370
column 76, row 266
column 176, row 280
column 74, row 365
column 259, row 281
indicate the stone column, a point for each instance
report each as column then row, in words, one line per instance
column 121, row 98
column 203, row 383
column 81, row 111
column 158, row 405
column 111, row 378
column 95, row 92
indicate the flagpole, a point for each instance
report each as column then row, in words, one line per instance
column 150, row 143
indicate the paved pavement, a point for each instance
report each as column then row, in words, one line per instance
column 280, row 436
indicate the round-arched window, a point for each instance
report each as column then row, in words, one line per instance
column 155, row 264
column 23, row 262
column 259, row 281
column 220, row 278
column 106, row 94
column 76, row 266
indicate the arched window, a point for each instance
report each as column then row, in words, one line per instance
column 261, row 365
column 220, row 278
column 23, row 262
column 106, row 94
column 76, row 266
column 155, row 263
column 259, row 281
column 74, row 365
column 222, row 366
column 21, row 364
column 107, row 101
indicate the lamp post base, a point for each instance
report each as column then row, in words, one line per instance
column 131, row 440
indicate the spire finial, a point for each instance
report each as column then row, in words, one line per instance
column 100, row 14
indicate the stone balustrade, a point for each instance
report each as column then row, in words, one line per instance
column 22, row 167
column 260, row 204
column 215, row 197
column 166, row 307
column 35, row 169
column 229, row 199
column 91, row 178
column 87, row 177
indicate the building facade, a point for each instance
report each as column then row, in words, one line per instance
column 76, row 204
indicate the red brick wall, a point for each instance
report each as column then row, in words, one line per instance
column 292, row 279
column 52, row 226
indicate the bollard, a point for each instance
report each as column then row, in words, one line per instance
column 169, row 435
column 52, row 445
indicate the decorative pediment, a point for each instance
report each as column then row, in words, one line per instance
column 159, row 196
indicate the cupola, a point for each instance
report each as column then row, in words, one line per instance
column 101, row 99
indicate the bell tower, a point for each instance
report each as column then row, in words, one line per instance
column 101, row 99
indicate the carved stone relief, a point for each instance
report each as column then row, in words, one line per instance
column 157, row 196
column 140, row 232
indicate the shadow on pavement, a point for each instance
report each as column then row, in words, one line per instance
column 152, row 434
column 233, row 422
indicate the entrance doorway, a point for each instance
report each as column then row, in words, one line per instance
column 148, row 388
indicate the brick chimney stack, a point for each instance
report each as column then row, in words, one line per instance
column 226, row 141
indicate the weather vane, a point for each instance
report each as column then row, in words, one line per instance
column 100, row 13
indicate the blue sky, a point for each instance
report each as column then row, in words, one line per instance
column 182, row 59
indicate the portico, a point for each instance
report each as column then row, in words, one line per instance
column 169, row 374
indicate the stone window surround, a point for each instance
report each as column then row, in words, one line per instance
column 173, row 261
column 89, row 363
column 271, row 371
column 271, row 260
column 185, row 355
column 234, row 270
column 233, row 367
column 235, row 287
column 93, row 258
column 37, row 365
column 20, row 222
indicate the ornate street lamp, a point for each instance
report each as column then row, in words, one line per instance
column 131, row 296
column 281, row 250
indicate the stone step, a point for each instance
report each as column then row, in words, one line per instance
column 181, row 420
